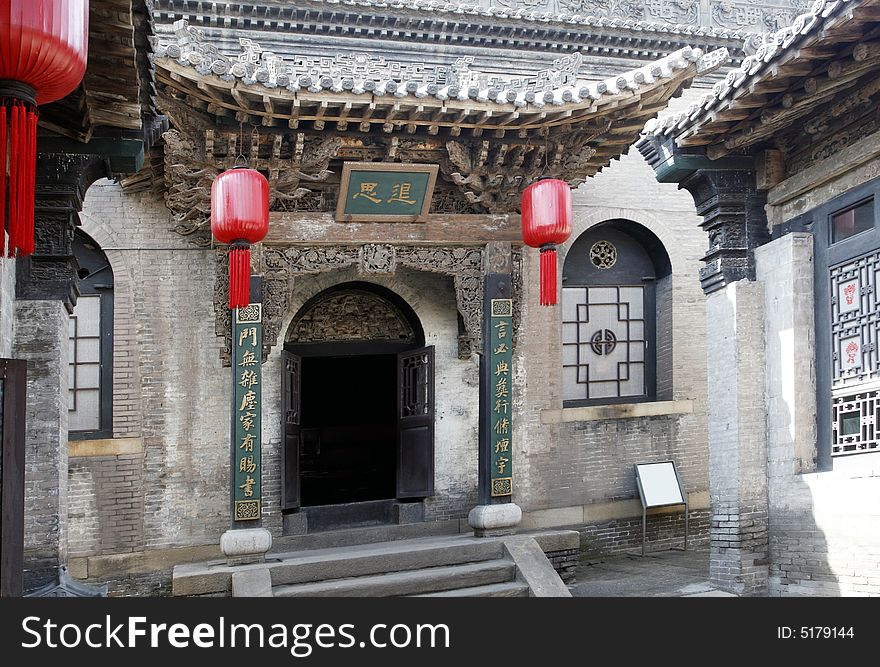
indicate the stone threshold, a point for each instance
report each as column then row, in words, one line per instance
column 617, row 411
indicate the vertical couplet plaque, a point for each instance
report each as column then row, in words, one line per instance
column 500, row 370
column 247, row 342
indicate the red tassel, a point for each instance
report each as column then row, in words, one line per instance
column 2, row 178
column 27, row 227
column 17, row 210
column 12, row 216
column 239, row 276
column 548, row 276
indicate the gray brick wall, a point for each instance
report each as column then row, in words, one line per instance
column 106, row 504
column 169, row 385
column 738, row 440
column 41, row 338
column 665, row 531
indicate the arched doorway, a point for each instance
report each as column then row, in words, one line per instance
column 357, row 407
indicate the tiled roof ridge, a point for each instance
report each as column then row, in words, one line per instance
column 543, row 17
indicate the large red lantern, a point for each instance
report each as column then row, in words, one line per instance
column 240, row 217
column 42, row 58
column 546, row 222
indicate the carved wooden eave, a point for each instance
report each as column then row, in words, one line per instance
column 118, row 90
column 490, row 136
column 806, row 82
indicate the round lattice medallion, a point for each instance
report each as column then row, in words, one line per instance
column 603, row 342
column 603, row 254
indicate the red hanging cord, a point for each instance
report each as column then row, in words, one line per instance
column 2, row 177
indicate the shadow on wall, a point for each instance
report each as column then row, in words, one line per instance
column 799, row 553
column 825, row 536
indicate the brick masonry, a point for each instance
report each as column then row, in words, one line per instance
column 738, row 440
column 106, row 504
column 41, row 338
column 665, row 531
column 564, row 562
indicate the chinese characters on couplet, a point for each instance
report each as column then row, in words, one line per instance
column 247, row 378
column 500, row 363
column 400, row 192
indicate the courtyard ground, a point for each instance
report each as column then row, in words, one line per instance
column 673, row 573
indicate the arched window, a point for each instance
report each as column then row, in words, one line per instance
column 609, row 314
column 90, row 376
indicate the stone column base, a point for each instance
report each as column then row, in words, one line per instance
column 245, row 545
column 493, row 520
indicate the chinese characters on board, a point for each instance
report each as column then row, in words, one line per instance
column 400, row 192
column 500, row 364
column 247, row 378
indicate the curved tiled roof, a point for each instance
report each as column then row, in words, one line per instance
column 250, row 68
column 780, row 50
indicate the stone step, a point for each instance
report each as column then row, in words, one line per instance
column 368, row 535
column 508, row 589
column 364, row 560
column 412, row 582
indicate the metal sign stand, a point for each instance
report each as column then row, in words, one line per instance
column 659, row 490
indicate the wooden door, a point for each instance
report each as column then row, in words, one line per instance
column 291, row 406
column 415, row 423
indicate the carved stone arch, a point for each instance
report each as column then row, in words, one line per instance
column 349, row 312
column 281, row 267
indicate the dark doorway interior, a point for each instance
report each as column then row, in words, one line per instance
column 349, row 429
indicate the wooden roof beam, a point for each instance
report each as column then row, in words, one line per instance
column 365, row 117
column 318, row 122
column 387, row 124
column 867, row 12
column 414, row 115
column 293, row 121
column 342, row 123
column 269, row 106
column 240, row 99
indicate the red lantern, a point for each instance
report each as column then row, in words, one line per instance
column 42, row 59
column 239, row 217
column 546, row 222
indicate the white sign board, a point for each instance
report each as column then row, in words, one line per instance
column 659, row 484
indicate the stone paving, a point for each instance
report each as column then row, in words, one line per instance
column 673, row 573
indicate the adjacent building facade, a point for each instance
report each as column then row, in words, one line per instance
column 781, row 161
